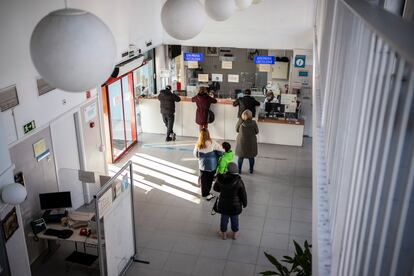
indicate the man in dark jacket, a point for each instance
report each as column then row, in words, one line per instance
column 167, row 105
column 232, row 200
column 246, row 102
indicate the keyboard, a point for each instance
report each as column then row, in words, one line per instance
column 52, row 232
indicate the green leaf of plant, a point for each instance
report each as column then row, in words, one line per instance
column 269, row 273
column 298, row 249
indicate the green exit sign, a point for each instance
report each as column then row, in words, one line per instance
column 29, row 127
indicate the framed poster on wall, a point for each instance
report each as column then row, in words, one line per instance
column 10, row 224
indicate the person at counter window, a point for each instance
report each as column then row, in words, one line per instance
column 167, row 106
column 246, row 102
column 270, row 97
column 207, row 151
column 246, row 141
column 203, row 102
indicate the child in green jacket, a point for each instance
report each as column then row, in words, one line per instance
column 225, row 159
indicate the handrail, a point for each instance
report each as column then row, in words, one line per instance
column 394, row 30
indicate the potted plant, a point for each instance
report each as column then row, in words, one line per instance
column 300, row 264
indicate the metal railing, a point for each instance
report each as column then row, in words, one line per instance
column 364, row 148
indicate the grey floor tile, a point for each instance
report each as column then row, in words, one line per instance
column 298, row 228
column 209, row 267
column 157, row 258
column 249, row 237
column 278, row 226
column 216, row 249
column 239, row 269
column 276, row 241
column 188, row 245
column 302, row 215
column 181, row 263
column 279, row 212
column 243, row 253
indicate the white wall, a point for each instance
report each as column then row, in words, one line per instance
column 131, row 21
column 272, row 24
column 16, row 245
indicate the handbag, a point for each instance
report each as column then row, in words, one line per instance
column 210, row 116
column 215, row 210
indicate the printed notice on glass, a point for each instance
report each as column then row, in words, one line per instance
column 203, row 77
column 192, row 64
column 217, row 77
column 233, row 78
column 105, row 203
column 264, row 67
column 226, row 64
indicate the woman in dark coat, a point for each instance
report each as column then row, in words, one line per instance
column 246, row 143
column 203, row 101
column 232, row 200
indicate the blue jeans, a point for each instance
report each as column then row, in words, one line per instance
column 234, row 223
column 240, row 162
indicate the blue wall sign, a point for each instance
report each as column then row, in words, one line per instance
column 193, row 57
column 264, row 60
column 300, row 61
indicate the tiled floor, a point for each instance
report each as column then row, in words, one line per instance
column 179, row 237
column 177, row 234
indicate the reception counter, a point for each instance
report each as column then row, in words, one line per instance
column 271, row 131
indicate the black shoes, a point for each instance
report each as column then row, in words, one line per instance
column 174, row 136
column 168, row 139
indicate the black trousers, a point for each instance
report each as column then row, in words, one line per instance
column 169, row 123
column 206, row 181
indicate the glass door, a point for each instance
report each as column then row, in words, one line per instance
column 121, row 115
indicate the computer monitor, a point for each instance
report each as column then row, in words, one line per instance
column 59, row 200
column 275, row 108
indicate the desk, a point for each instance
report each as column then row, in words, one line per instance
column 76, row 256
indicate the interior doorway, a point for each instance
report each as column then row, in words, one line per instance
column 119, row 110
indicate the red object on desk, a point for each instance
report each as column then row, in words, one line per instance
column 85, row 232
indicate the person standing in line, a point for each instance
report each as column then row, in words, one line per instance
column 206, row 150
column 167, row 106
column 203, row 102
column 225, row 158
column 232, row 200
column 246, row 102
column 246, row 142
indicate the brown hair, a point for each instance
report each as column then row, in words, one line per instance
column 203, row 90
column 247, row 115
column 203, row 137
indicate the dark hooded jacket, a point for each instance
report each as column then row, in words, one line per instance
column 246, row 102
column 203, row 102
column 167, row 101
column 233, row 195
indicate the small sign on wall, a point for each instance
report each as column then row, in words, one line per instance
column 226, row 64
column 192, row 64
column 29, row 127
column 40, row 150
column 300, row 61
column 233, row 78
column 217, row 77
column 264, row 67
column 203, row 77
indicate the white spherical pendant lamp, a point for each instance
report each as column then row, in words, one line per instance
column 243, row 4
column 183, row 19
column 14, row 194
column 73, row 50
column 220, row 10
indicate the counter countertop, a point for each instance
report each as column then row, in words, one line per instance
column 188, row 99
column 276, row 121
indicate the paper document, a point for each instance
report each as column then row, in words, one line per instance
column 81, row 216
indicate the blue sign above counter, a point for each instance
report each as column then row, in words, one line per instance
column 193, row 57
column 264, row 60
